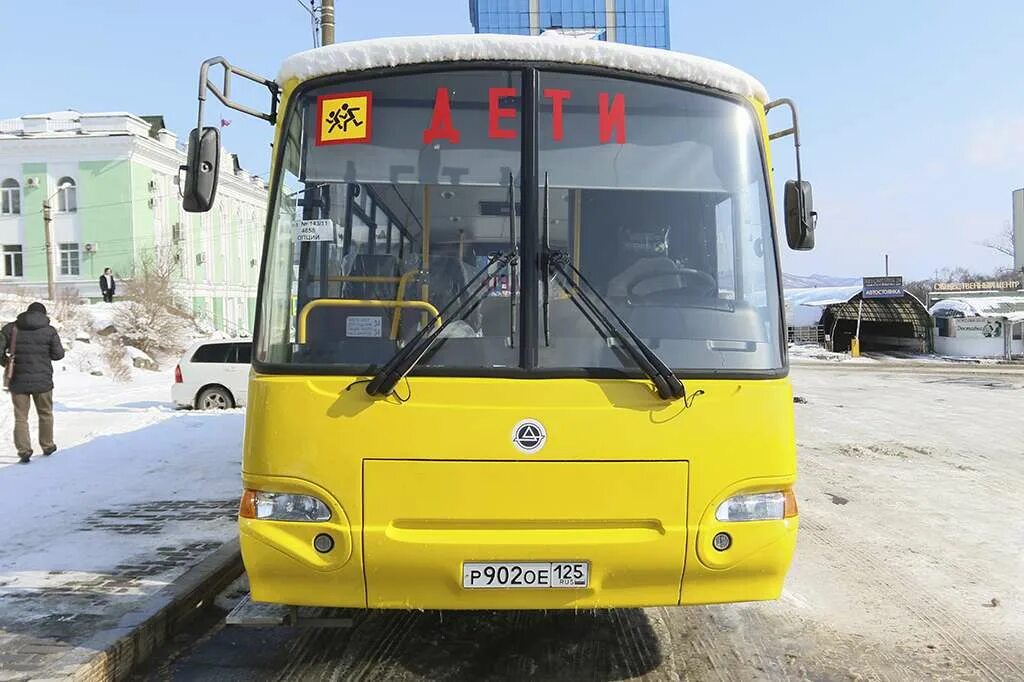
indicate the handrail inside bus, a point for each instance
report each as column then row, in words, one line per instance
column 367, row 279
column 403, row 282
column 359, row 303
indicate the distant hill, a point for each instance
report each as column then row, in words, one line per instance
column 806, row 281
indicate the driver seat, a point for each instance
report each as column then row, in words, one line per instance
column 655, row 274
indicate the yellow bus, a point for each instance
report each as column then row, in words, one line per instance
column 519, row 341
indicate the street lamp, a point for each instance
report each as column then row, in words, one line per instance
column 48, row 229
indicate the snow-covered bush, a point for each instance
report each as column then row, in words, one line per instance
column 115, row 357
column 67, row 305
column 153, row 316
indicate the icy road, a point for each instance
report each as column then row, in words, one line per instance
column 909, row 566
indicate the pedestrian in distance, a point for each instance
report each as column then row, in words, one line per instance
column 28, row 348
column 107, row 285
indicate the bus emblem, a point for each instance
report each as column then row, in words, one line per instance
column 529, row 436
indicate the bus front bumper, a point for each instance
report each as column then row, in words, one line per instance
column 420, row 522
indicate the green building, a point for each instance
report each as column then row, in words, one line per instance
column 111, row 180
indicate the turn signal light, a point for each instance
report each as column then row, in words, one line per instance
column 259, row 504
column 790, row 510
column 247, row 507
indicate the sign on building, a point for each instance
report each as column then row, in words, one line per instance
column 979, row 327
column 1001, row 285
column 883, row 287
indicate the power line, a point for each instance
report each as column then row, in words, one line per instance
column 312, row 9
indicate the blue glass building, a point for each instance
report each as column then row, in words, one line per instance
column 637, row 22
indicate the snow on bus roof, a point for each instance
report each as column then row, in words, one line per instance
column 390, row 52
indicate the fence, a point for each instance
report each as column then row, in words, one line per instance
column 814, row 335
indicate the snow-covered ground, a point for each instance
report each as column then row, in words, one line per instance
column 810, row 353
column 136, row 493
column 88, row 407
column 119, row 443
column 89, row 402
column 798, row 352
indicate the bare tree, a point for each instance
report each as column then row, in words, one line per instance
column 1003, row 242
column 68, row 308
column 153, row 317
column 116, row 359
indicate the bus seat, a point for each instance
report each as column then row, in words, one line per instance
column 448, row 275
column 332, row 330
column 494, row 316
column 372, row 265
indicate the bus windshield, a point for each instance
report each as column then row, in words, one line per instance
column 396, row 190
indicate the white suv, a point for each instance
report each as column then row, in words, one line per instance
column 213, row 375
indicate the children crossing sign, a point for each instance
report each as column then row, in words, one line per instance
column 344, row 118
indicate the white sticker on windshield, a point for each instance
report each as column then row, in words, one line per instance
column 319, row 230
column 365, row 326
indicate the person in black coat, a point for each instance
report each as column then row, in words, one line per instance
column 33, row 344
column 107, row 285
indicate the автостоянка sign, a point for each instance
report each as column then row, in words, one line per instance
column 883, row 287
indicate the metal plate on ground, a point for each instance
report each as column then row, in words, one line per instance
column 253, row 614
column 249, row 613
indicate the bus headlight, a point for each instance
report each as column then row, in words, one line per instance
column 758, row 507
column 259, row 504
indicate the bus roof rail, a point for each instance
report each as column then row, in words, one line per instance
column 224, row 92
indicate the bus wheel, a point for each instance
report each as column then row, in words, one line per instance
column 214, row 398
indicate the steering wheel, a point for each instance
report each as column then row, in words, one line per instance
column 695, row 282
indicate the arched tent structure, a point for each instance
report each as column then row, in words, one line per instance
column 885, row 323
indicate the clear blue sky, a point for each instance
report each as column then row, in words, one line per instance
column 912, row 111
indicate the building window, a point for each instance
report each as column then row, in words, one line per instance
column 10, row 197
column 69, row 258
column 12, row 260
column 67, row 196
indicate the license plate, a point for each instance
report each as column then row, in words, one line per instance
column 525, row 574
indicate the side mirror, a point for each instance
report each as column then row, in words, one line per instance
column 801, row 218
column 202, row 170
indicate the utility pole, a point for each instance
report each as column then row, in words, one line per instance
column 886, row 265
column 327, row 22
column 48, row 228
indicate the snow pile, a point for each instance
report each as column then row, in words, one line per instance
column 804, row 305
column 1009, row 307
column 790, row 281
column 392, row 52
column 952, row 307
column 92, row 335
column 817, row 353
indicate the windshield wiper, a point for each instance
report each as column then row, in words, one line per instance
column 664, row 380
column 594, row 307
column 384, row 381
